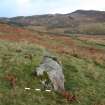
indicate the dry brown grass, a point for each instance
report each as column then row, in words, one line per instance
column 58, row 44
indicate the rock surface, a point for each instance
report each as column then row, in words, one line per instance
column 53, row 68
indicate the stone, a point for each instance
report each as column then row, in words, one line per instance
column 50, row 70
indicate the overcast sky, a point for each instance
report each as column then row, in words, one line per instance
column 11, row 8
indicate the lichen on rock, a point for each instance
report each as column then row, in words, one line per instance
column 50, row 71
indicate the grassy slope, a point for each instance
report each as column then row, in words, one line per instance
column 84, row 77
column 15, row 60
column 83, row 67
column 90, row 42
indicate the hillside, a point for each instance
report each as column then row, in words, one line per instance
column 82, row 57
column 77, row 22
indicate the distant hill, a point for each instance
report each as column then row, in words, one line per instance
column 88, row 16
column 80, row 21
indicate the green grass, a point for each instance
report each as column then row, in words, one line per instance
column 83, row 77
column 88, row 43
column 86, row 79
column 92, row 28
column 15, row 59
